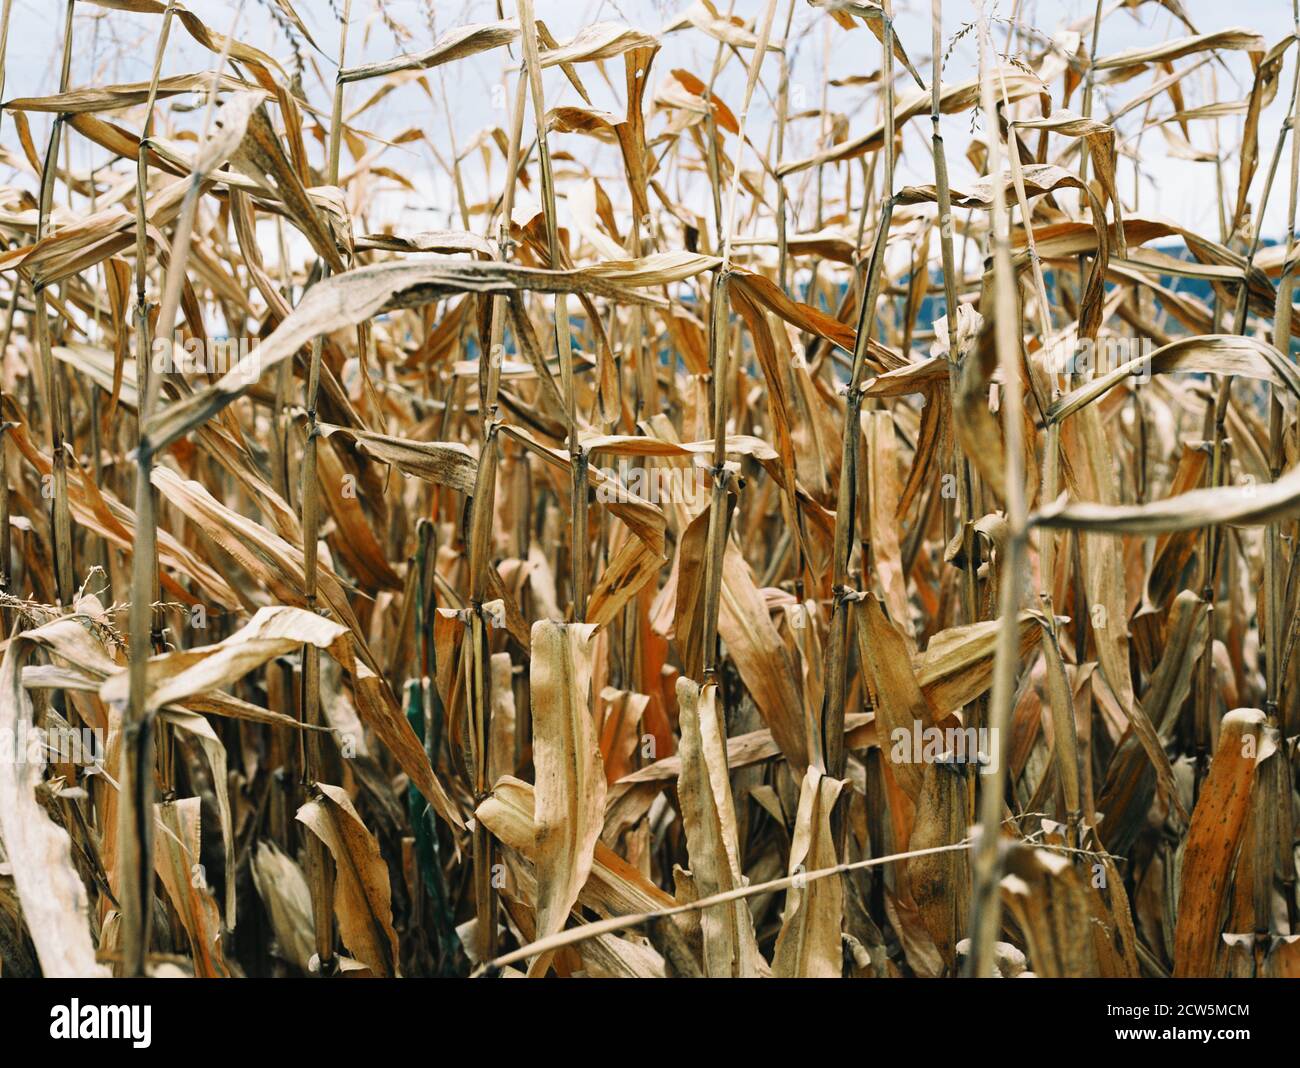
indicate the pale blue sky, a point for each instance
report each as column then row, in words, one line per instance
column 118, row 47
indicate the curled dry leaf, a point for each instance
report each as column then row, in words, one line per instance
column 53, row 898
column 730, row 949
column 802, row 547
column 569, row 797
column 362, row 895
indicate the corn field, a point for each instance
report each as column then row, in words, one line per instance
column 792, row 488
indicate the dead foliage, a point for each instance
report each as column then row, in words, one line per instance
column 712, row 557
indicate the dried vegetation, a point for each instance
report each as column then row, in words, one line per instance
column 581, row 593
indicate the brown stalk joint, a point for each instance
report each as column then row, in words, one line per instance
column 134, row 729
column 721, row 475
column 505, row 244
column 841, row 595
